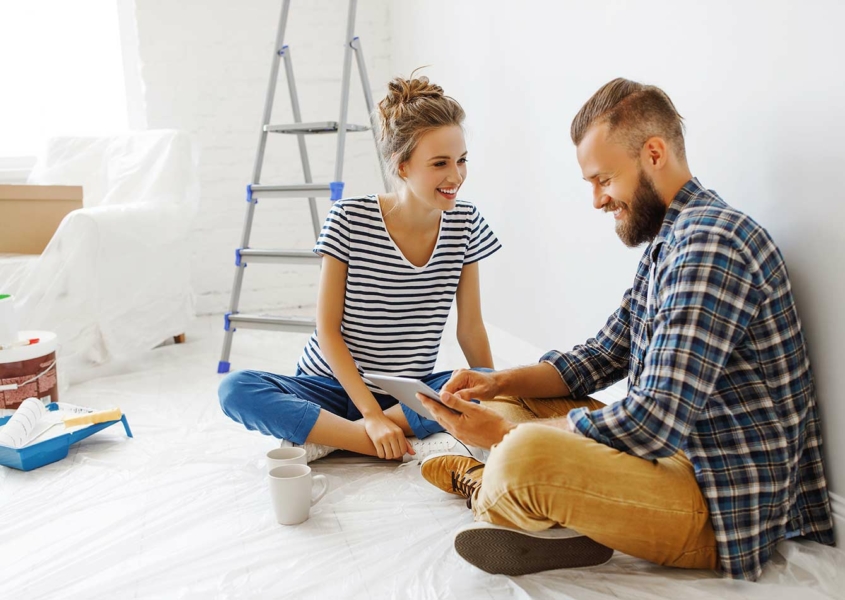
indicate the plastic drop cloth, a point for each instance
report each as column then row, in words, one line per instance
column 115, row 278
column 182, row 511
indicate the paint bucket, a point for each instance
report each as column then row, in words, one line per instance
column 8, row 323
column 29, row 371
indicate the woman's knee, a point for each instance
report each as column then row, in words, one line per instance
column 233, row 390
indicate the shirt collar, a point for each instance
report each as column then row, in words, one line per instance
column 689, row 190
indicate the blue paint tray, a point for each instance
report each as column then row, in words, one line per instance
column 50, row 450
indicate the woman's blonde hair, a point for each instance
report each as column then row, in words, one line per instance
column 412, row 108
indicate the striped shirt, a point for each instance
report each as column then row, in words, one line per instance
column 394, row 312
column 717, row 368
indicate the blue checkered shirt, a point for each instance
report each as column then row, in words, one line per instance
column 717, row 368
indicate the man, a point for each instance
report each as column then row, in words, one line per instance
column 714, row 456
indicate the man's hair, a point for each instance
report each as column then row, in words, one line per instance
column 634, row 113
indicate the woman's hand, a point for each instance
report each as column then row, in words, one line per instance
column 387, row 437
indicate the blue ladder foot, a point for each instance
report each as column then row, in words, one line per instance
column 223, row 366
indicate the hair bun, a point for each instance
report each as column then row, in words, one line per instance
column 405, row 91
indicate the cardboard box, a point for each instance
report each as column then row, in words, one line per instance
column 30, row 215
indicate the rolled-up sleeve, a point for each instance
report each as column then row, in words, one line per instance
column 334, row 239
column 705, row 301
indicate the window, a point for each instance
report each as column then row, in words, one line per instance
column 62, row 74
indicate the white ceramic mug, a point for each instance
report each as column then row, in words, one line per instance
column 285, row 456
column 291, row 492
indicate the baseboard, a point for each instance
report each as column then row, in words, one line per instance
column 511, row 351
column 837, row 506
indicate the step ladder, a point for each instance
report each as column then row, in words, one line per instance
column 308, row 189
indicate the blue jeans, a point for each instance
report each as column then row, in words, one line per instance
column 287, row 407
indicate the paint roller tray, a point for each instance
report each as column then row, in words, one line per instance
column 51, row 450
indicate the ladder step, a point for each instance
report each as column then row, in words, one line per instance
column 295, row 324
column 299, row 190
column 311, row 128
column 252, row 255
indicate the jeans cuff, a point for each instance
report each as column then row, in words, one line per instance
column 306, row 423
column 421, row 427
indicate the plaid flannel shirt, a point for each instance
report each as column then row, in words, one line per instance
column 717, row 368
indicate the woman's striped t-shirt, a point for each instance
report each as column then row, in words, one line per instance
column 394, row 312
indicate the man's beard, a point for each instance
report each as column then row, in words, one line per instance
column 645, row 215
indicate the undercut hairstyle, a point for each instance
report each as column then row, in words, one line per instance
column 412, row 108
column 634, row 113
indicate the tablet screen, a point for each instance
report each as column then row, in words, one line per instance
column 404, row 389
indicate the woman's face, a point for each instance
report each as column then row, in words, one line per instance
column 437, row 167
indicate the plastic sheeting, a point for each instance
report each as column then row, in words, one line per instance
column 183, row 511
column 115, row 278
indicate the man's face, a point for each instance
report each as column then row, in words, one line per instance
column 621, row 187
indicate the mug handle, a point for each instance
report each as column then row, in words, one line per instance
column 323, row 491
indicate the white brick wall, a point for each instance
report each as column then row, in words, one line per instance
column 205, row 66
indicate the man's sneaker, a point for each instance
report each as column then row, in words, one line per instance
column 454, row 473
column 498, row 549
column 312, row 451
column 438, row 443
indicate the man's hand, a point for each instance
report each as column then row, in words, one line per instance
column 476, row 425
column 387, row 437
column 466, row 384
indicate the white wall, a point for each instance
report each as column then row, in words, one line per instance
column 762, row 89
column 205, row 66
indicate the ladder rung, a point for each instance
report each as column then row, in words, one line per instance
column 299, row 190
column 296, row 324
column 316, row 127
column 253, row 255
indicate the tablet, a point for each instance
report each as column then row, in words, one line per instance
column 404, row 389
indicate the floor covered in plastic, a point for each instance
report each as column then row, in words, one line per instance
column 183, row 511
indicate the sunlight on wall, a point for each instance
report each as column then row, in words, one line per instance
column 62, row 72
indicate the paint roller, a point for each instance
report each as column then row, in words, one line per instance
column 102, row 416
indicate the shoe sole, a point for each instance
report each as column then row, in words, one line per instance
column 506, row 552
column 353, row 458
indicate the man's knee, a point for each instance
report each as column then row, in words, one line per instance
column 527, row 450
column 534, row 439
column 521, row 439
